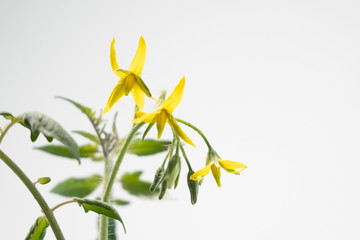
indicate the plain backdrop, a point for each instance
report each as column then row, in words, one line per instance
column 273, row 84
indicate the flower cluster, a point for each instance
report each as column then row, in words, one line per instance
column 131, row 82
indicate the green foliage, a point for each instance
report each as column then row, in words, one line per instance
column 88, row 111
column 77, row 187
column 131, row 183
column 148, row 146
column 39, row 123
column 111, row 229
column 193, row 187
column 120, row 202
column 85, row 151
column 89, row 136
column 38, row 230
column 100, row 208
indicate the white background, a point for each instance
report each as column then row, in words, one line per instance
column 273, row 84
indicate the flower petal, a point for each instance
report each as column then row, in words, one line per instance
column 138, row 96
column 138, row 61
column 113, row 61
column 216, row 173
column 175, row 98
column 174, row 125
column 160, row 122
column 231, row 166
column 145, row 117
column 115, row 95
column 199, row 175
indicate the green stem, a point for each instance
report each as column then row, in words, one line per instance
column 186, row 159
column 7, row 129
column 36, row 194
column 111, row 180
column 196, row 129
column 62, row 204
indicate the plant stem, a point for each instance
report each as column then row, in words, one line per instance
column 62, row 204
column 111, row 180
column 7, row 129
column 196, row 129
column 36, row 194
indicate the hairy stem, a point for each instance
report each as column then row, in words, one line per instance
column 36, row 194
column 111, row 180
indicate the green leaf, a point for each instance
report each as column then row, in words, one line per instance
column 38, row 230
column 7, row 115
column 120, row 202
column 85, row 151
column 89, row 136
column 100, row 208
column 88, row 111
column 131, row 183
column 39, row 123
column 111, row 229
column 77, row 187
column 44, row 180
column 148, row 146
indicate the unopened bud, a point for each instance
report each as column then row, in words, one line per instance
column 173, row 171
column 163, row 189
column 44, row 180
column 193, row 187
column 157, row 179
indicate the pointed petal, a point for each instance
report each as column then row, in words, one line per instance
column 216, row 173
column 231, row 166
column 138, row 62
column 199, row 175
column 175, row 98
column 115, row 95
column 160, row 122
column 174, row 125
column 138, row 96
column 146, row 118
column 113, row 60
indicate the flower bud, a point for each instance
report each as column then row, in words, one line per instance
column 44, row 180
column 158, row 176
column 163, row 189
column 173, row 171
column 193, row 187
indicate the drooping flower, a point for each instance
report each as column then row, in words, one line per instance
column 130, row 80
column 163, row 114
column 213, row 163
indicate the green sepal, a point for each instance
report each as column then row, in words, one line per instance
column 89, row 136
column 143, row 86
column 85, row 151
column 38, row 229
column 147, row 130
column 100, row 208
column 163, row 189
column 77, row 187
column 44, row 180
column 133, row 185
column 148, row 146
column 193, row 187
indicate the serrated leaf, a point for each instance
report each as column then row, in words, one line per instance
column 77, row 187
column 132, row 184
column 38, row 230
column 89, row 136
column 100, row 208
column 85, row 151
column 39, row 123
column 148, row 146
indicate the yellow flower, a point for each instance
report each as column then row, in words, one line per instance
column 130, row 80
column 163, row 114
column 214, row 162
